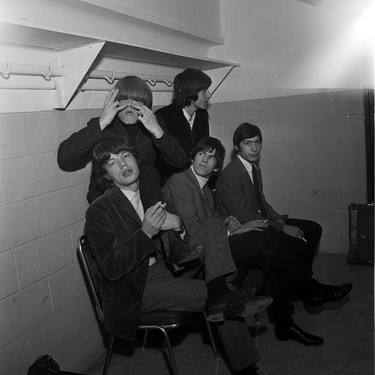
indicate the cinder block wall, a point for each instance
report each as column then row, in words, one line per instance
column 313, row 167
column 44, row 305
column 313, row 156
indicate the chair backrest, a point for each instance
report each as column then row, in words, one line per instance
column 87, row 260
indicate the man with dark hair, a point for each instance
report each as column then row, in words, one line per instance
column 253, row 244
column 127, row 112
column 239, row 192
column 186, row 118
column 124, row 226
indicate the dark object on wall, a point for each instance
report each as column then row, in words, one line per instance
column 369, row 137
column 361, row 234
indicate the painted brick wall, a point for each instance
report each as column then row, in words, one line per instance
column 44, row 305
column 313, row 167
column 313, row 156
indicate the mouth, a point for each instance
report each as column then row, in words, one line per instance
column 127, row 173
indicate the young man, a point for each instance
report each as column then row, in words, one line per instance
column 186, row 118
column 253, row 244
column 240, row 192
column 124, row 226
column 127, row 112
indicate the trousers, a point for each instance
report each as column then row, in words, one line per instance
column 163, row 291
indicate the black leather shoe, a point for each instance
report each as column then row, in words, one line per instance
column 234, row 304
column 293, row 332
column 328, row 293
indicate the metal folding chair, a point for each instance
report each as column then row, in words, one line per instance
column 162, row 321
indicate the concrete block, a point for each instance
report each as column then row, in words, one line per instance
column 267, row 109
column 293, row 176
column 66, row 285
column 339, row 127
column 334, row 243
column 67, row 123
column 13, row 138
column 293, row 130
column 8, row 276
column 305, row 153
column 55, row 332
column 313, row 105
column 350, row 102
column 19, row 224
column 42, row 131
column 62, row 208
column 14, row 357
column 341, row 176
column 29, row 176
column 24, row 310
column 38, row 259
column 77, row 177
column 281, row 199
column 276, row 154
column 333, row 221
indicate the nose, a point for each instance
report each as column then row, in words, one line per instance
column 122, row 162
column 205, row 158
column 253, row 147
column 208, row 94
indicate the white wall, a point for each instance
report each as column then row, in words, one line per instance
column 288, row 47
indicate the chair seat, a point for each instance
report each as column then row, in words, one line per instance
column 163, row 318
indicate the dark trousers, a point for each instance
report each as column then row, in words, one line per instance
column 312, row 234
column 163, row 291
column 283, row 270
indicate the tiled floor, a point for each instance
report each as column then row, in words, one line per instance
column 347, row 330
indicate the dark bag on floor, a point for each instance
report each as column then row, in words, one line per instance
column 44, row 365
column 361, row 234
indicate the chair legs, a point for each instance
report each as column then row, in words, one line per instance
column 213, row 343
column 250, row 291
column 109, row 354
column 172, row 359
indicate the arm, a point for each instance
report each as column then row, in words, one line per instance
column 180, row 200
column 117, row 250
column 170, row 149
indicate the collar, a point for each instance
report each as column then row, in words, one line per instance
column 202, row 181
column 249, row 166
column 189, row 118
column 130, row 194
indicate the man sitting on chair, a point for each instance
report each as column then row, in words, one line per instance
column 253, row 244
column 123, row 227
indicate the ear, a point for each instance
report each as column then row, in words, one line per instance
column 216, row 170
column 236, row 149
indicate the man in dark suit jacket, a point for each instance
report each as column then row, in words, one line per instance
column 123, row 227
column 186, row 118
column 253, row 244
column 127, row 113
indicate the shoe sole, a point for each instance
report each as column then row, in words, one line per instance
column 282, row 338
column 243, row 312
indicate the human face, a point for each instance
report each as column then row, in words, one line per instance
column 123, row 170
column 204, row 163
column 203, row 98
column 129, row 115
column 250, row 149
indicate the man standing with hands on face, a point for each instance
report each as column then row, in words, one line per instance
column 127, row 112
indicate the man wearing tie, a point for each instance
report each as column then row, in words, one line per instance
column 253, row 243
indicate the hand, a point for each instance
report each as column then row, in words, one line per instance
column 232, row 223
column 149, row 120
column 110, row 109
column 258, row 225
column 292, row 231
column 171, row 222
column 154, row 219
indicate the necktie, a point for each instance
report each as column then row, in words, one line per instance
column 257, row 192
column 138, row 205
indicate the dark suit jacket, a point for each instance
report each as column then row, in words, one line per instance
column 122, row 251
column 76, row 151
column 184, row 197
column 235, row 194
column 179, row 127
